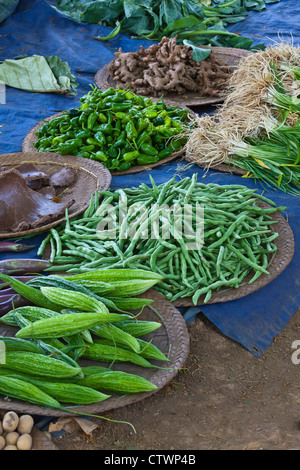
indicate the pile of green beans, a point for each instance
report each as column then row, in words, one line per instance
column 238, row 238
column 116, row 127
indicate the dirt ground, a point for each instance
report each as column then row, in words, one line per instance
column 225, row 399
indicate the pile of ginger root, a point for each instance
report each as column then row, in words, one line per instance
column 169, row 68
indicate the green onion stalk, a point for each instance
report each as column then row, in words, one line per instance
column 272, row 159
column 283, row 100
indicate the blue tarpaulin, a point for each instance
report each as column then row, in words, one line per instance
column 36, row 28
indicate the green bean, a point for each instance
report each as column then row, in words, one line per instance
column 42, row 246
column 238, row 237
column 247, row 261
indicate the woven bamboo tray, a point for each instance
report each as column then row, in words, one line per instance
column 230, row 56
column 285, row 250
column 171, row 338
column 90, row 177
column 30, row 138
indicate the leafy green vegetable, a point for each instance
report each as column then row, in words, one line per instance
column 38, row 74
column 7, row 7
column 62, row 72
column 199, row 54
column 203, row 21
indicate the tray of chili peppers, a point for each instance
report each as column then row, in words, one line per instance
column 124, row 131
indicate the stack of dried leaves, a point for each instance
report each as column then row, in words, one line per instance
column 167, row 68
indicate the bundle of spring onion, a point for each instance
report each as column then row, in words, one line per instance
column 238, row 239
column 79, row 317
column 258, row 127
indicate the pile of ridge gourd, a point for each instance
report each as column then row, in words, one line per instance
column 78, row 317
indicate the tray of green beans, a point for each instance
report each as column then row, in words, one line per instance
column 124, row 131
column 247, row 241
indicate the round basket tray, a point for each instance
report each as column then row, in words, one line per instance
column 285, row 250
column 171, row 338
column 90, row 177
column 30, row 139
column 230, row 56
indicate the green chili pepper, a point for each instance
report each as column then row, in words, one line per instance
column 42, row 130
column 144, row 159
column 143, row 137
column 176, row 124
column 158, row 121
column 55, row 121
column 87, row 148
column 99, row 156
column 66, row 148
column 177, row 144
column 83, row 118
column 92, row 120
column 83, row 154
column 129, row 156
column 128, row 95
column 120, row 106
column 83, row 134
column 84, row 106
column 124, row 166
column 102, row 118
column 167, row 132
column 63, row 128
column 149, row 113
column 110, row 91
column 113, row 164
column 73, row 112
column 148, row 149
column 92, row 141
column 118, row 97
column 164, row 153
column 131, row 130
column 100, row 138
column 59, row 139
column 105, row 128
column 75, row 121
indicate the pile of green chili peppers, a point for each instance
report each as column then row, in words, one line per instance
column 116, row 127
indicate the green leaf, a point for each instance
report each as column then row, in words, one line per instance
column 38, row 74
column 62, row 73
column 101, row 11
column 189, row 23
column 199, row 54
column 113, row 34
column 169, row 11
